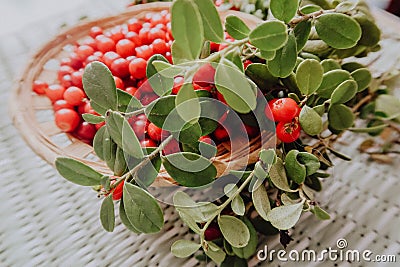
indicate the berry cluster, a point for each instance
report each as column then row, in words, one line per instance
column 285, row 112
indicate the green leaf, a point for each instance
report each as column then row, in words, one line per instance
column 310, row 121
column 217, row 256
column 149, row 172
column 302, row 32
column 234, row 56
column 234, row 231
column 127, row 102
column 99, row 85
column 308, row 9
column 389, row 105
column 310, row 161
column 160, row 83
column 93, row 119
column 261, row 201
column 249, row 250
column 363, row 78
column 237, row 203
column 330, row 64
column 102, row 144
column 77, row 172
column 268, row 156
column 371, row 33
column 163, row 114
column 372, row 129
column 267, row 55
column 190, row 169
column 122, row 134
column 309, row 76
column 188, row 220
column 142, row 209
column 320, row 213
column 199, row 212
column 269, row 36
column 212, row 25
column 259, row 171
column 236, row 28
column 338, row 30
column 331, row 80
column 124, row 219
column 294, row 169
column 340, row 117
column 261, row 76
column 96, row 107
column 278, row 176
column 118, row 163
column 190, row 134
column 187, row 30
column 184, row 248
column 285, row 217
column 284, row 10
column 235, row 88
column 107, row 216
column 285, row 59
column 344, row 92
column 234, row 262
column 187, row 104
column 166, row 69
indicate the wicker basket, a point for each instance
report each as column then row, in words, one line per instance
column 34, row 117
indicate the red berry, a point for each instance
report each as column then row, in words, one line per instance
column 39, row 87
column 60, row 104
column 66, row 119
column 137, row 68
column 55, row 92
column 251, row 131
column 171, row 148
column 139, row 127
column 115, row 33
column 84, row 51
column 178, row 82
column 125, row 48
column 64, row 70
column 148, row 143
column 134, row 25
column 86, row 131
column 205, row 75
column 212, row 232
column 76, row 78
column 221, row 134
column 109, row 57
column 155, row 33
column 117, row 192
column 120, row 67
column 104, row 43
column 99, row 125
column 156, row 133
column 282, row 109
column 88, row 41
column 206, row 139
column 76, row 62
column 160, row 46
column 144, row 51
column 221, row 98
column 144, row 35
column 131, row 90
column 74, row 95
column 133, row 37
column 119, row 83
column 95, row 30
column 288, row 132
column 214, row 47
column 148, row 98
column 66, row 81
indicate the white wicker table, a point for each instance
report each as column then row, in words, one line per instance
column 47, row 221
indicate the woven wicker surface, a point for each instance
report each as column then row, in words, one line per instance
column 47, row 221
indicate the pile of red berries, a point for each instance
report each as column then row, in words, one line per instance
column 125, row 50
column 285, row 112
